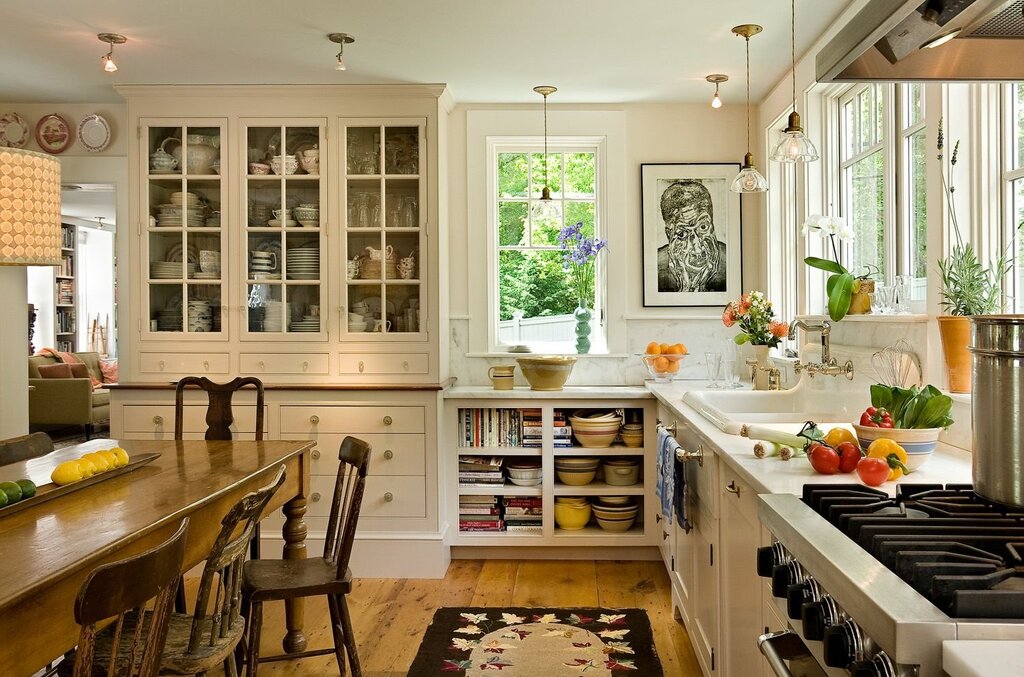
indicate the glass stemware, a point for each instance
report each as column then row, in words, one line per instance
column 713, row 364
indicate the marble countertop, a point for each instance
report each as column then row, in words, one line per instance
column 567, row 393
column 774, row 476
column 982, row 658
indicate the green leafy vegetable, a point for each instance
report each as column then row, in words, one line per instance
column 914, row 407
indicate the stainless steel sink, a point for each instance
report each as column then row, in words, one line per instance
column 730, row 409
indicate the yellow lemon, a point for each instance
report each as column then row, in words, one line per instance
column 110, row 457
column 102, row 464
column 122, row 456
column 66, row 473
column 88, row 467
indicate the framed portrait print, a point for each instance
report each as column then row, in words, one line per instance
column 691, row 234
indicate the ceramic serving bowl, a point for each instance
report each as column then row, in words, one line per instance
column 572, row 516
column 284, row 164
column 621, row 475
column 616, row 525
column 919, row 443
column 546, row 373
column 259, row 168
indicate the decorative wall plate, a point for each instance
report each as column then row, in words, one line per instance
column 14, row 131
column 53, row 134
column 94, row 133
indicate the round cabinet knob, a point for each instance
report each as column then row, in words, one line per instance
column 314, row 419
column 305, row 366
column 388, row 420
column 664, row 535
column 315, row 497
column 158, row 420
column 388, row 497
column 361, row 366
column 657, row 517
column 733, row 488
column 388, row 454
column 405, row 365
column 262, row 365
column 315, row 454
column 160, row 364
column 768, row 557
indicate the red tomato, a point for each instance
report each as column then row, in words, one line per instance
column 849, row 456
column 873, row 471
column 823, row 458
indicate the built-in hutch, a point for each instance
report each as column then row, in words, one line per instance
column 292, row 233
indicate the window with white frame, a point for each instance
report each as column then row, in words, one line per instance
column 882, row 180
column 535, row 300
column 1013, row 178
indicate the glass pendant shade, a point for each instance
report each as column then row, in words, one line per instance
column 794, row 146
column 546, row 208
column 749, row 180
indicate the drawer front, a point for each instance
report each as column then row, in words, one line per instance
column 735, row 489
column 185, row 363
column 392, row 454
column 381, row 363
column 399, row 496
column 158, row 421
column 317, row 420
column 283, row 363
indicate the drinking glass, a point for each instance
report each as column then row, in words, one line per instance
column 902, row 293
column 882, row 299
column 713, row 364
column 730, row 361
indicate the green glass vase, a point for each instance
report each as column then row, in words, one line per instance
column 583, row 316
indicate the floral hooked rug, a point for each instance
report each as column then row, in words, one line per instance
column 527, row 642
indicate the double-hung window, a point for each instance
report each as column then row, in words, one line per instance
column 882, row 180
column 534, row 299
column 1013, row 185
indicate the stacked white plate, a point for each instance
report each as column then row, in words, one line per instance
column 168, row 320
column 172, row 215
column 187, row 199
column 200, row 318
column 201, row 275
column 165, row 270
column 308, row 323
column 274, row 320
column 303, row 263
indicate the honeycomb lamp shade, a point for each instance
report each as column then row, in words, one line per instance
column 29, row 208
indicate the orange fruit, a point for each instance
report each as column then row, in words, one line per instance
column 664, row 348
column 673, row 365
column 675, row 349
column 661, row 364
column 682, row 349
column 653, row 348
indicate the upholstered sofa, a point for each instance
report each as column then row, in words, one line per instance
column 56, row 402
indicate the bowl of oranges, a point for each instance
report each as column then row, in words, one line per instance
column 663, row 360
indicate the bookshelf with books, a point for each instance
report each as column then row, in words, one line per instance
column 65, row 291
column 502, row 451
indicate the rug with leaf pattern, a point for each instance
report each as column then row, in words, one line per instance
column 531, row 642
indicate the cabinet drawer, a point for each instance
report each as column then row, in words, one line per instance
column 159, row 420
column 185, row 363
column 392, row 454
column 401, row 496
column 384, row 363
column 735, row 489
column 351, row 420
column 283, row 363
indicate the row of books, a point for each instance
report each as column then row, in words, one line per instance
column 481, row 470
column 533, row 429
column 520, row 514
column 67, row 266
column 491, row 427
column 64, row 321
column 65, row 291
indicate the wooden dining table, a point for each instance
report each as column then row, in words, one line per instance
column 48, row 549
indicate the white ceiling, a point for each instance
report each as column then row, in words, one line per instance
column 486, row 50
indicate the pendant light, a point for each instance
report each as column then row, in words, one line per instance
column 717, row 79
column 794, row 146
column 108, row 58
column 546, row 207
column 749, row 180
column 341, row 39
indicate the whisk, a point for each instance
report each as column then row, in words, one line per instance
column 895, row 364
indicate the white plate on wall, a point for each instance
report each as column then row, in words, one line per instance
column 94, row 133
column 14, row 131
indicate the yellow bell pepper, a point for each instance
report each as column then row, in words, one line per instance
column 891, row 453
column 837, row 436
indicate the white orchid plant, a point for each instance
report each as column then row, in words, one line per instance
column 841, row 283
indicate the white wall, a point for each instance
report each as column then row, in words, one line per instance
column 649, row 133
column 95, row 276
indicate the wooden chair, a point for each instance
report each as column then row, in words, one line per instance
column 25, row 447
column 219, row 419
column 122, row 590
column 267, row 580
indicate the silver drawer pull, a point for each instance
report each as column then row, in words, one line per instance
column 733, row 488
column 388, row 497
column 388, row 420
column 315, row 497
column 158, row 420
column 695, row 455
column 388, row 454
column 314, row 419
column 315, row 454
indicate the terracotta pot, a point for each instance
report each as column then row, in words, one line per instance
column 955, row 332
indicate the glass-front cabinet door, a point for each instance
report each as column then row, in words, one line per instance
column 184, row 212
column 383, row 212
column 285, row 230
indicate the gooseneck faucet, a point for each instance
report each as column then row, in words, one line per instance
column 828, row 365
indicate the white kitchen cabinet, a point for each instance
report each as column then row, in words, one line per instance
column 741, row 587
column 704, row 627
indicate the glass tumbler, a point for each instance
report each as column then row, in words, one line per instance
column 713, row 364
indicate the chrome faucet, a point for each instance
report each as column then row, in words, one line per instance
column 828, row 366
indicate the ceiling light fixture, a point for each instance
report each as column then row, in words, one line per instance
column 108, row 58
column 717, row 78
column 749, row 180
column 794, row 146
column 341, row 39
column 545, row 207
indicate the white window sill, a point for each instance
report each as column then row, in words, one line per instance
column 902, row 319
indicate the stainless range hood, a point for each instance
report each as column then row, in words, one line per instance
column 886, row 41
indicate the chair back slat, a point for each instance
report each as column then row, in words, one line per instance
column 222, row 564
column 354, row 459
column 25, row 447
column 219, row 416
column 125, row 588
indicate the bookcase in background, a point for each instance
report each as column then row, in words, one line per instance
column 66, row 291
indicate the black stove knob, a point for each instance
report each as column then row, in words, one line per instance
column 768, row 557
column 842, row 644
column 815, row 617
column 797, row 595
column 863, row 669
column 785, row 575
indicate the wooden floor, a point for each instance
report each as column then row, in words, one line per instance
column 391, row 615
